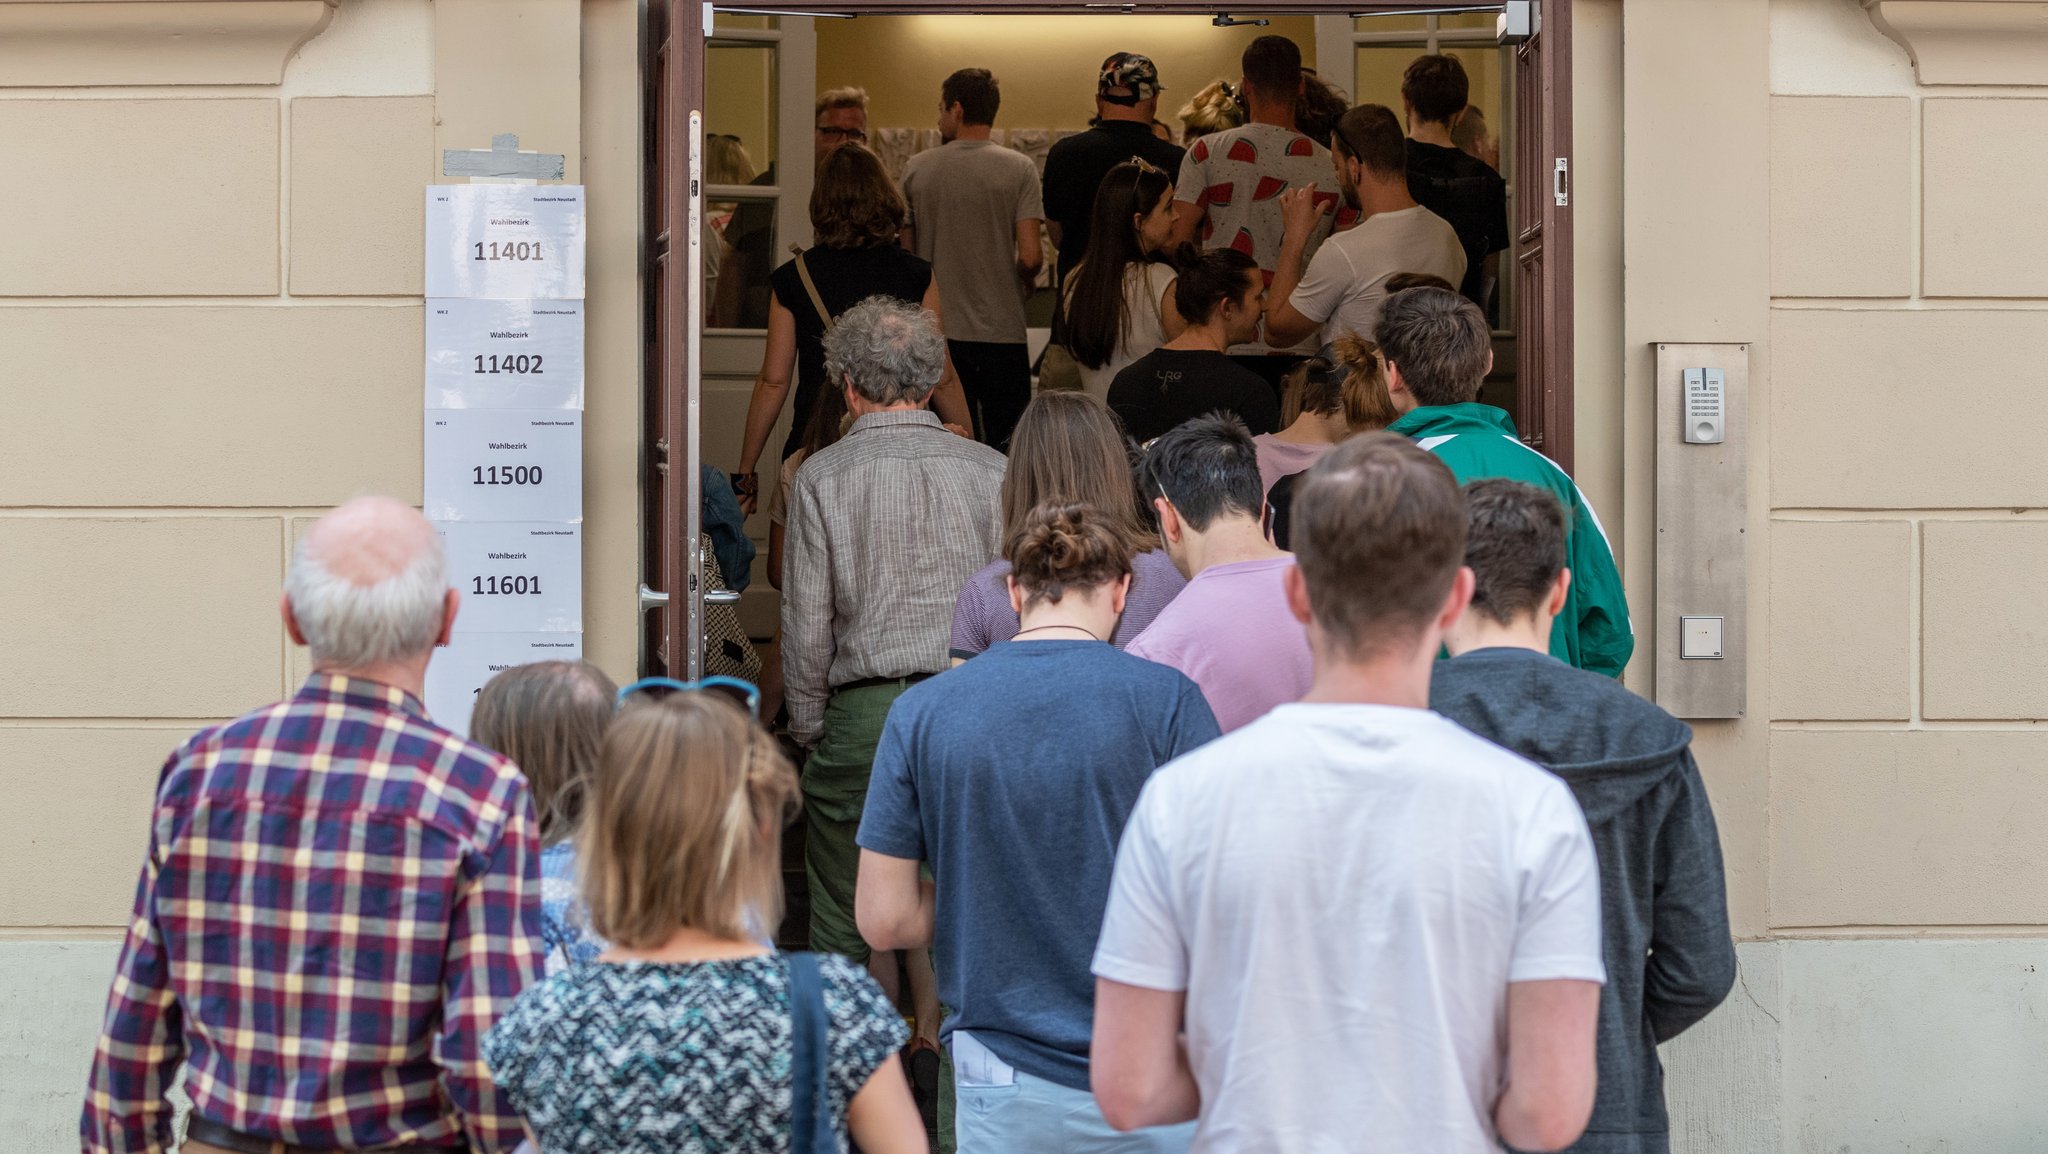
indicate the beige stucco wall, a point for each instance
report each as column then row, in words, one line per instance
column 1791, row 183
column 210, row 306
column 1908, row 306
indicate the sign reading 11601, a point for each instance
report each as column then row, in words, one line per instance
column 507, row 250
column 528, row 363
column 504, row 586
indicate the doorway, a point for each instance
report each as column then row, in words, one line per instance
column 751, row 81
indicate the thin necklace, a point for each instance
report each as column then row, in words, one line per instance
column 1039, row 628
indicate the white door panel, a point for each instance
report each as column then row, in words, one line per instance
column 731, row 357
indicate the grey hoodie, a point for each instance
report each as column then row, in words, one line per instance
column 1663, row 907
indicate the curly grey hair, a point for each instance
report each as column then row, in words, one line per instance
column 890, row 351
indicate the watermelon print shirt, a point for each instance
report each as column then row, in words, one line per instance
column 1237, row 176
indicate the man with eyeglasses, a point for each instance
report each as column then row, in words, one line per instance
column 1341, row 290
column 1230, row 630
column 1126, row 103
column 842, row 116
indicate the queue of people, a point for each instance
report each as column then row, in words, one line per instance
column 1140, row 807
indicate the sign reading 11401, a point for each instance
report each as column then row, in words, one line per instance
column 506, row 242
column 508, row 250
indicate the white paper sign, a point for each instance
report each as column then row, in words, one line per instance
column 490, row 354
column 504, row 465
column 458, row 672
column 505, row 240
column 515, row 577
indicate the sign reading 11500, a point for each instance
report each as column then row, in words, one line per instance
column 505, row 474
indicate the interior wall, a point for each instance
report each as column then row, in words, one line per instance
column 1047, row 65
column 739, row 99
column 1379, row 68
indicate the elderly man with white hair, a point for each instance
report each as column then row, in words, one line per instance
column 884, row 528
column 339, row 898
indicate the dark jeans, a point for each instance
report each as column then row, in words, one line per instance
column 997, row 381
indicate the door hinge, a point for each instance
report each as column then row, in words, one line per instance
column 1561, row 182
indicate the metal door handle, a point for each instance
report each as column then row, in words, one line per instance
column 654, row 599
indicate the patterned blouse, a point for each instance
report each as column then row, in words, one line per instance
column 564, row 925
column 680, row 1057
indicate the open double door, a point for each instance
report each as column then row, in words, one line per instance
column 675, row 70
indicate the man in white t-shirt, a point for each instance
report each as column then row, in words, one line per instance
column 1346, row 281
column 1377, row 931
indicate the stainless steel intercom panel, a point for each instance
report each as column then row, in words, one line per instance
column 1702, row 605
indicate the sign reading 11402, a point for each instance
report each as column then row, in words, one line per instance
column 510, row 363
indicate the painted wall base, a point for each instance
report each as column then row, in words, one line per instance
column 52, row 997
column 1875, row 1046
column 1880, row 1046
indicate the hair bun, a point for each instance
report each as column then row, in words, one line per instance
column 1067, row 544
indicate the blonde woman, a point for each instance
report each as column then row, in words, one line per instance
column 1213, row 109
column 688, row 1034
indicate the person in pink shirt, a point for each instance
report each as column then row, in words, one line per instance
column 1230, row 630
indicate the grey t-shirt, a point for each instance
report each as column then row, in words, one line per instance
column 965, row 201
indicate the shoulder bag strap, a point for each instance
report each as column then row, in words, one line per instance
column 803, row 273
column 810, row 1112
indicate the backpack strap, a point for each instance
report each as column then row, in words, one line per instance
column 803, row 273
column 810, row 1107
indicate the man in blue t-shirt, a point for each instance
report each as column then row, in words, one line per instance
column 1011, row 777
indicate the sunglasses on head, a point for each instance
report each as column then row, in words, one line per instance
column 742, row 692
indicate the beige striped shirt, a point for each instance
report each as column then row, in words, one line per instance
column 884, row 529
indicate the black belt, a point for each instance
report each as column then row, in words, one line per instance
column 877, row 682
column 215, row 1134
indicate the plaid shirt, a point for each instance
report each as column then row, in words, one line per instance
column 340, row 898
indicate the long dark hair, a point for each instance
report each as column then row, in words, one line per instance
column 1096, row 319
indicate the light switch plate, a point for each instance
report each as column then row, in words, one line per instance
column 1699, row 638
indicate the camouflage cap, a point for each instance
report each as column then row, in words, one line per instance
column 1132, row 71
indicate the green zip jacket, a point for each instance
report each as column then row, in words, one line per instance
column 1477, row 441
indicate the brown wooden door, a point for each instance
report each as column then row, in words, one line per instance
column 1543, row 241
column 674, row 643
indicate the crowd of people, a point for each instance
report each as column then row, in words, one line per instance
column 1226, row 755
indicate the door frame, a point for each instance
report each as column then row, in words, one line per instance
column 675, row 75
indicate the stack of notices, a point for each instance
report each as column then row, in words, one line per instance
column 504, row 428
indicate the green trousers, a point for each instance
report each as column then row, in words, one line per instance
column 835, row 784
